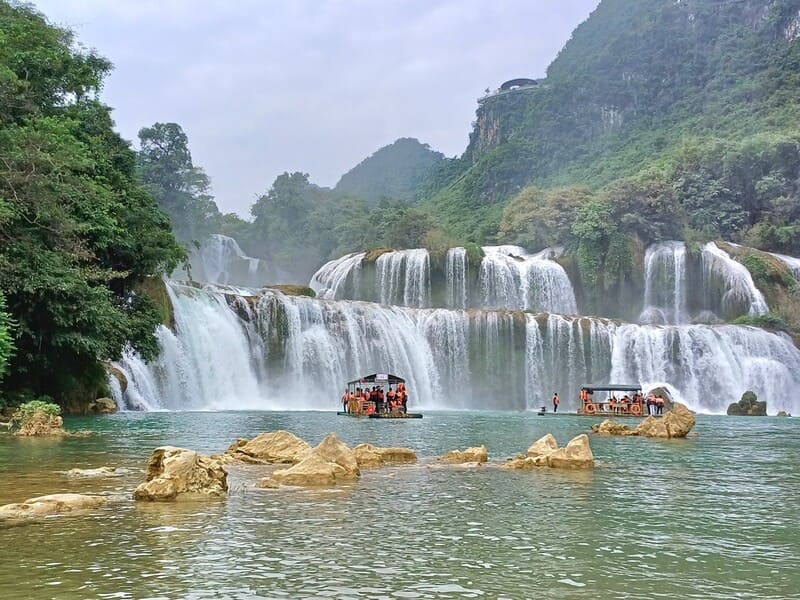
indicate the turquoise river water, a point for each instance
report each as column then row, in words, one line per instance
column 716, row 515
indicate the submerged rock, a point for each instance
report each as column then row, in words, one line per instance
column 476, row 454
column 783, row 413
column 748, row 406
column 577, row 454
column 272, row 447
column 44, row 506
column 368, row 455
column 675, row 423
column 98, row 472
column 329, row 463
column 174, row 473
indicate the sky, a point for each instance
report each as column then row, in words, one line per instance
column 264, row 86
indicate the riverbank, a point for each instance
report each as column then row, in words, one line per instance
column 675, row 516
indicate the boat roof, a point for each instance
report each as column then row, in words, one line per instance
column 379, row 378
column 612, row 387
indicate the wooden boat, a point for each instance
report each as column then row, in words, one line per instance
column 357, row 407
column 602, row 401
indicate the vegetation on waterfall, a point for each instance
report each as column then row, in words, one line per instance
column 78, row 230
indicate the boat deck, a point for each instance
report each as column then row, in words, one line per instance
column 381, row 415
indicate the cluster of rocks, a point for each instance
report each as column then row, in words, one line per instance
column 748, row 406
column 675, row 423
column 42, row 424
column 544, row 452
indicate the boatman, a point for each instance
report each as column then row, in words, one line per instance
column 556, row 402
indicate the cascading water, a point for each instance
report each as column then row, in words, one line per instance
column 403, row 277
column 271, row 351
column 340, row 278
column 665, row 287
column 220, row 260
column 511, row 278
column 728, row 286
column 456, row 277
column 791, row 262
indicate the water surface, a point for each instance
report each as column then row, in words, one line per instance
column 712, row 516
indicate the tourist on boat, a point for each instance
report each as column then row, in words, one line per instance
column 651, row 402
column 556, row 402
column 381, row 403
column 660, row 404
column 390, row 397
column 345, row 397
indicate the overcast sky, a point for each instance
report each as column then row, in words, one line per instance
column 262, row 87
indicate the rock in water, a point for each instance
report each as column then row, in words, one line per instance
column 748, row 406
column 42, row 424
column 611, row 427
column 368, row 455
column 43, row 506
column 476, row 454
column 273, row 447
column 675, row 423
column 103, row 406
column 329, row 463
column 178, row 473
column 577, row 454
column 98, row 472
column 543, row 446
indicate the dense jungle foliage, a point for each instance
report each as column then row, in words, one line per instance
column 77, row 229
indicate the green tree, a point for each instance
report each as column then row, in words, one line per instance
column 181, row 189
column 6, row 341
column 78, row 231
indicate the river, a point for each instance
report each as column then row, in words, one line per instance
column 711, row 516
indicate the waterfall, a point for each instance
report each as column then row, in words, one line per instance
column 340, row 278
column 220, row 260
column 236, row 350
column 403, row 277
column 665, row 288
column 728, row 285
column 456, row 277
column 791, row 262
column 710, row 367
column 511, row 278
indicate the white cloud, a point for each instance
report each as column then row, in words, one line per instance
column 263, row 87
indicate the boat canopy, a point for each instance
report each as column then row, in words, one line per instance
column 613, row 387
column 379, row 379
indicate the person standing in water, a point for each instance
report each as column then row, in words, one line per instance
column 556, row 402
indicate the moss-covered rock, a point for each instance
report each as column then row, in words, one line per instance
column 154, row 289
column 748, row 406
column 372, row 255
column 291, row 289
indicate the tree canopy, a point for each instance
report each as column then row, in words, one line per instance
column 78, row 230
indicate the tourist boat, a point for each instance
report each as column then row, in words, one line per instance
column 608, row 400
column 367, row 408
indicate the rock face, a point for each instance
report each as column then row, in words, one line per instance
column 676, row 423
column 103, row 406
column 42, row 424
column 368, row 455
column 476, row 454
column 577, row 454
column 174, row 473
column 273, row 447
column 748, row 406
column 329, row 463
column 43, row 506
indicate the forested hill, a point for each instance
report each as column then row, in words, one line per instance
column 395, row 171
column 643, row 86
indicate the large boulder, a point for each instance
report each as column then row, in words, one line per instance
column 272, row 447
column 45, row 506
column 368, row 455
column 748, row 406
column 329, row 463
column 577, row 454
column 476, row 454
column 178, row 473
column 102, row 406
column 544, row 445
